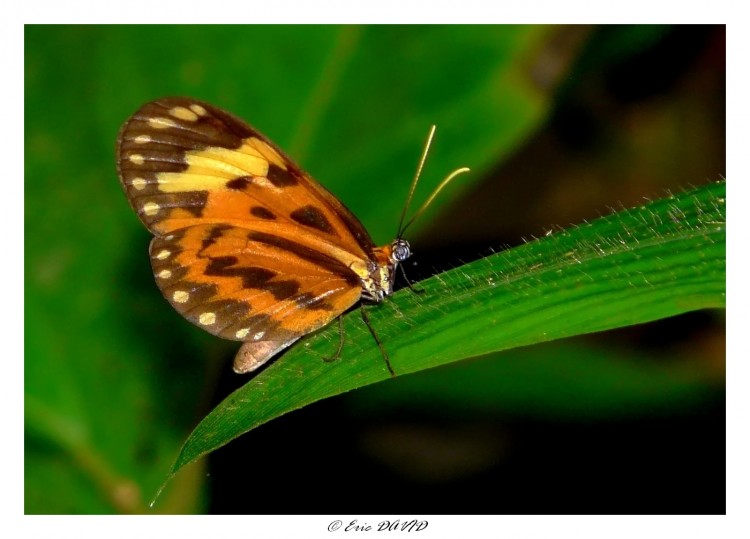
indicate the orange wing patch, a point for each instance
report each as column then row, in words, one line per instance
column 247, row 246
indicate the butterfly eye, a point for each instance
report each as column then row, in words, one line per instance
column 400, row 250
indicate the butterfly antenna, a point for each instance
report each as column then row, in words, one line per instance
column 416, row 179
column 435, row 193
column 401, row 226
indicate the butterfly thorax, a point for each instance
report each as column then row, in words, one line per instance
column 381, row 272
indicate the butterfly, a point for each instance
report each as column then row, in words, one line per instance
column 246, row 245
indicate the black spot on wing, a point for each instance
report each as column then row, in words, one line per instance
column 262, row 213
column 312, row 217
column 282, row 289
column 220, row 266
column 252, row 277
column 239, row 184
column 280, row 177
column 214, row 235
column 192, row 201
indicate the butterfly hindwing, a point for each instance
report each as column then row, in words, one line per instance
column 251, row 286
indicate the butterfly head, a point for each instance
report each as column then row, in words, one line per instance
column 382, row 272
column 400, row 251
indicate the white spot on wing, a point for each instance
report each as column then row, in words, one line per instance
column 241, row 334
column 139, row 184
column 150, row 208
column 182, row 113
column 161, row 123
column 206, row 319
column 200, row 111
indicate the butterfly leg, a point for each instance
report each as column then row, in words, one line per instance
column 337, row 354
column 366, row 319
column 408, row 282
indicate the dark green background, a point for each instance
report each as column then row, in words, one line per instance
column 559, row 124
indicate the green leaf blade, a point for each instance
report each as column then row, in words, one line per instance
column 635, row 266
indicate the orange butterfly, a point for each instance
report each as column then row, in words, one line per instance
column 247, row 245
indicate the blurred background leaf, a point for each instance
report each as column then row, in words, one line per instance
column 558, row 124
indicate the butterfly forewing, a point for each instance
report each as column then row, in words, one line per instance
column 184, row 162
column 246, row 245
